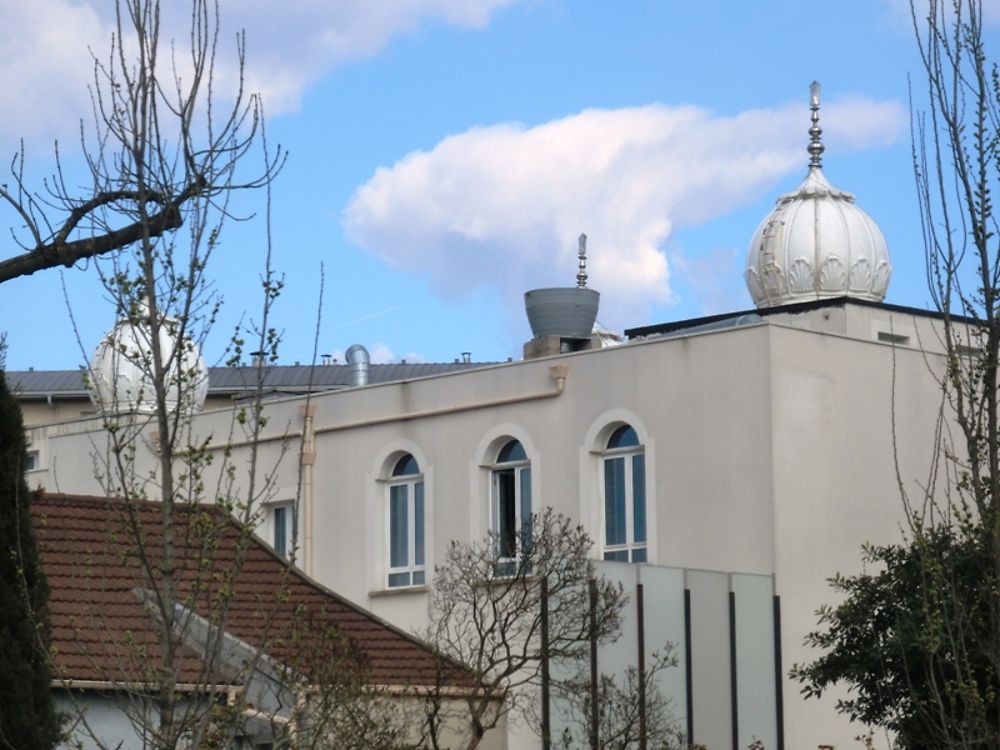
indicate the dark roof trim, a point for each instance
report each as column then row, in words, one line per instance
column 797, row 307
column 233, row 381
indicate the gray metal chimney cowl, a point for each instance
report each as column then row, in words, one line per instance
column 562, row 311
column 359, row 360
column 566, row 312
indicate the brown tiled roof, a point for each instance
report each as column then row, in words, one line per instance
column 102, row 631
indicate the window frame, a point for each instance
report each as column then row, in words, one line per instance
column 631, row 550
column 287, row 544
column 519, row 471
column 413, row 572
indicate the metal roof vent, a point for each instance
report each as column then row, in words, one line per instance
column 567, row 312
column 359, row 361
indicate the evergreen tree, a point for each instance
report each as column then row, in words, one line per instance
column 28, row 720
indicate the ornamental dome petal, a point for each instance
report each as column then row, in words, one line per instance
column 817, row 243
column 121, row 378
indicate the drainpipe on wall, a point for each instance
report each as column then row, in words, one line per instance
column 307, row 458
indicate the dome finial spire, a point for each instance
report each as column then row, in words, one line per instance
column 816, row 243
column 581, row 275
column 816, row 147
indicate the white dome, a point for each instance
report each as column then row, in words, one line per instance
column 121, row 369
column 817, row 243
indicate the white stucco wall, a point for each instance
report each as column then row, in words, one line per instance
column 769, row 450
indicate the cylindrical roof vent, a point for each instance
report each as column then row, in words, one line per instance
column 359, row 360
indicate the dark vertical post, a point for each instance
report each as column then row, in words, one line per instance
column 594, row 688
column 779, row 701
column 546, row 720
column 688, row 668
column 733, row 696
column 639, row 605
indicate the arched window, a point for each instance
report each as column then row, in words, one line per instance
column 624, row 497
column 511, row 503
column 406, row 524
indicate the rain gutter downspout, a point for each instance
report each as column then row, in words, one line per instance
column 307, row 457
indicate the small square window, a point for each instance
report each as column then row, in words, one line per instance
column 32, row 461
column 283, row 528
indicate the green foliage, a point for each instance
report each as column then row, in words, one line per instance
column 28, row 719
column 915, row 641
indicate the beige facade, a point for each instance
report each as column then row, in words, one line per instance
column 771, row 445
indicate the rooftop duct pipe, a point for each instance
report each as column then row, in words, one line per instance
column 359, row 361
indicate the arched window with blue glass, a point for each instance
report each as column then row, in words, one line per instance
column 406, row 524
column 511, row 502
column 624, row 464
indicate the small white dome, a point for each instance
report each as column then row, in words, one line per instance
column 817, row 243
column 121, row 378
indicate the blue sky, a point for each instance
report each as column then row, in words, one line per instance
column 445, row 154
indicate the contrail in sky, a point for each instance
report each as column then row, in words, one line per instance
column 367, row 317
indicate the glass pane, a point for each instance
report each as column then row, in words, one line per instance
column 639, row 555
column 623, row 437
column 399, row 579
column 506, row 513
column 618, row 555
column 639, row 497
column 418, row 523
column 418, row 578
column 280, row 530
column 614, row 501
column 398, row 531
column 406, row 465
column 512, row 451
column 525, row 509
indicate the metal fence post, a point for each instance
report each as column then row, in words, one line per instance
column 594, row 691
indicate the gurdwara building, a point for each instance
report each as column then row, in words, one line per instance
column 731, row 464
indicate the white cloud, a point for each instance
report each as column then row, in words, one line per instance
column 315, row 35
column 46, row 66
column 503, row 205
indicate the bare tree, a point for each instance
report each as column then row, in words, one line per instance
column 918, row 634
column 624, row 719
column 163, row 147
column 485, row 613
column 164, row 153
column 162, row 156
